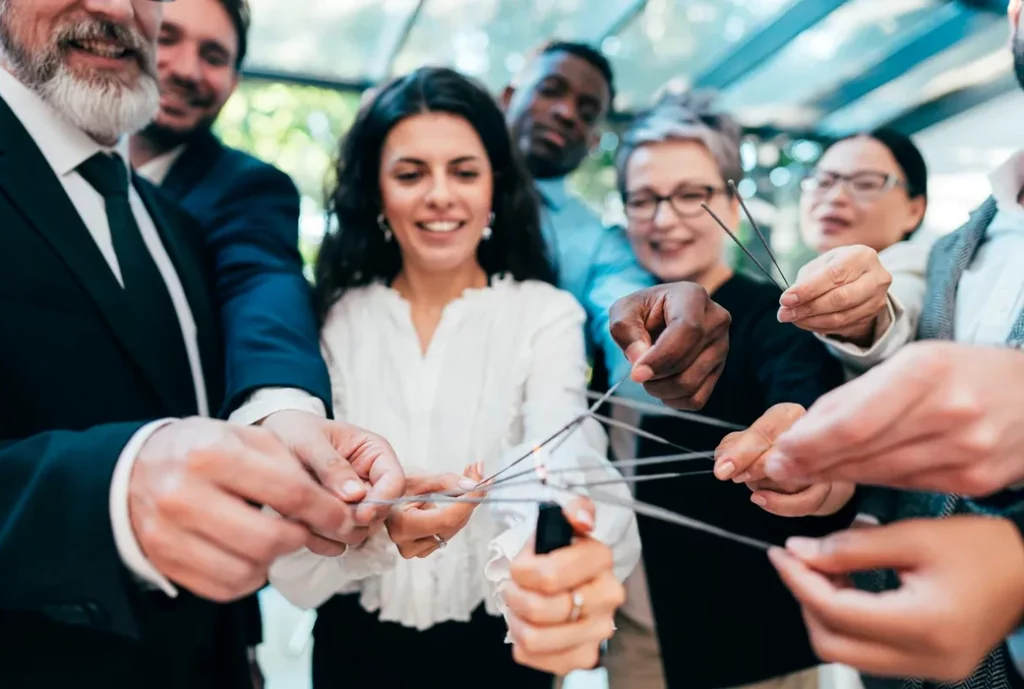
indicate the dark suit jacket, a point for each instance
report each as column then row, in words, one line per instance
column 250, row 212
column 77, row 380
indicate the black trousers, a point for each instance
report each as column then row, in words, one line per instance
column 353, row 649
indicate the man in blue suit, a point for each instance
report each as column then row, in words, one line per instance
column 249, row 210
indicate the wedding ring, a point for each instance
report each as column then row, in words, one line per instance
column 577, row 606
column 440, row 541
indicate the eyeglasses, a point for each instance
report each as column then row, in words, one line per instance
column 687, row 202
column 862, row 186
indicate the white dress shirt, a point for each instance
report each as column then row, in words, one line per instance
column 157, row 169
column 65, row 148
column 506, row 368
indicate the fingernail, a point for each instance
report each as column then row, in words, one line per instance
column 786, row 315
column 804, row 548
column 725, row 470
column 584, row 518
column 758, row 500
column 352, row 488
column 467, row 484
column 635, row 351
column 790, row 299
column 642, row 374
column 742, row 478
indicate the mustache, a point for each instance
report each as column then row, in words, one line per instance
column 91, row 29
column 187, row 91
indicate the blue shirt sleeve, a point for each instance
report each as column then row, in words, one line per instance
column 615, row 273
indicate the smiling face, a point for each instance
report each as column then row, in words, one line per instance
column 436, row 188
column 94, row 61
column 198, row 54
column 676, row 239
column 555, row 114
column 863, row 211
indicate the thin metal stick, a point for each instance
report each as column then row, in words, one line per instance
column 753, row 223
column 600, row 400
column 639, row 432
column 743, row 248
column 659, row 410
column 568, row 428
column 661, row 514
column 638, row 479
column 661, row 459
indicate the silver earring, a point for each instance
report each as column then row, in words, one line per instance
column 382, row 223
column 488, row 232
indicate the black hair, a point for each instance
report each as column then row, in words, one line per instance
column 354, row 253
column 589, row 54
column 908, row 157
column 241, row 17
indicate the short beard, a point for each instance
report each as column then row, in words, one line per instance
column 102, row 106
column 164, row 138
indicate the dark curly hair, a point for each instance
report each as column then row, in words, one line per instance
column 354, row 252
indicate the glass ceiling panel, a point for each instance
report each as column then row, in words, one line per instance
column 348, row 40
column 983, row 57
column 851, row 39
column 676, row 40
column 490, row 39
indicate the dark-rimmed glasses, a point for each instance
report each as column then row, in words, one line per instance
column 686, row 202
column 867, row 185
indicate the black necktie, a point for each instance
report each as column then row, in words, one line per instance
column 144, row 286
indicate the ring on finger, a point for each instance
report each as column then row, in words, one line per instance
column 439, row 539
column 577, row 607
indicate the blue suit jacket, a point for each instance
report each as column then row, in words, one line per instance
column 250, row 212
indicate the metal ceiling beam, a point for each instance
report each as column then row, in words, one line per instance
column 386, row 69
column 617, row 25
column 952, row 104
column 295, row 79
column 948, row 26
column 760, row 46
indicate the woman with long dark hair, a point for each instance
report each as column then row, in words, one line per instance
column 444, row 334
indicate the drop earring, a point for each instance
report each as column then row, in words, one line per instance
column 488, row 232
column 382, row 223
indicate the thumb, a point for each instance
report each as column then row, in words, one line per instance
column 628, row 325
column 580, row 513
column 332, row 470
column 896, row 546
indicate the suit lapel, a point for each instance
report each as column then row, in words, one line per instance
column 192, row 166
column 192, row 272
column 950, row 257
column 32, row 186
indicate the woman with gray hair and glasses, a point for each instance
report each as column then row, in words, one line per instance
column 722, row 616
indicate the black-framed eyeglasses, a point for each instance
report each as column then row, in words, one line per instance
column 686, row 202
column 866, row 185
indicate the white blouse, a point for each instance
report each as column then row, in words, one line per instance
column 506, row 368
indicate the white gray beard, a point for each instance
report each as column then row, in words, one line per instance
column 105, row 111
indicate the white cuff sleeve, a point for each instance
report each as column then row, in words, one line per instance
column 267, row 401
column 308, row 580
column 884, row 344
column 124, row 536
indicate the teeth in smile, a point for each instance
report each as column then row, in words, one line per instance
column 102, row 48
column 441, row 226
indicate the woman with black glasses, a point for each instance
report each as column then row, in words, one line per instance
column 722, row 616
column 860, row 207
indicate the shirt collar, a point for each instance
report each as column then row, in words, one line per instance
column 63, row 145
column 156, row 170
column 554, row 192
column 1007, row 181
